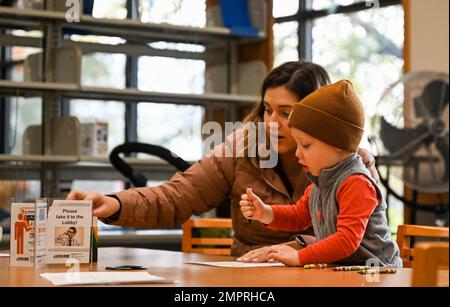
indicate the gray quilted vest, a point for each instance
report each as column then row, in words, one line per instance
column 377, row 244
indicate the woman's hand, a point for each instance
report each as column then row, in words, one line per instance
column 252, row 207
column 103, row 206
column 283, row 254
column 369, row 161
column 256, row 255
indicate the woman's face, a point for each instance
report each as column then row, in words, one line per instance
column 278, row 102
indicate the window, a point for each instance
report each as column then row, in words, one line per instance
column 365, row 47
column 20, row 113
column 183, row 135
column 111, row 111
column 285, row 33
column 177, row 128
column 160, row 74
column 352, row 40
column 97, row 70
column 330, row 4
column 286, row 42
column 24, row 112
column 176, row 12
column 283, row 8
column 110, row 9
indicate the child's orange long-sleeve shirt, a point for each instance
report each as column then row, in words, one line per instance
column 357, row 199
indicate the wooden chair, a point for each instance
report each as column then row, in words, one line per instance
column 429, row 257
column 207, row 245
column 406, row 232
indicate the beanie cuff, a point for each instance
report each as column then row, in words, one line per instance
column 326, row 127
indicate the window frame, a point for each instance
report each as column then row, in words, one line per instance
column 5, row 106
column 305, row 16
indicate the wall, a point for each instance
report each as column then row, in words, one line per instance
column 427, row 26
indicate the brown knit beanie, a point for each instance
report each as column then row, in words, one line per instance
column 333, row 114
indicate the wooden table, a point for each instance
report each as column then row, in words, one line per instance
column 173, row 265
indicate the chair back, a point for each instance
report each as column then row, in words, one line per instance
column 207, row 244
column 406, row 232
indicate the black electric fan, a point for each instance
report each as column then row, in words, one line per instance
column 410, row 135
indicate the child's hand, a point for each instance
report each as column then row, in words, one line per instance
column 252, row 207
column 283, row 254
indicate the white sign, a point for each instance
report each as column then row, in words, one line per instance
column 22, row 234
column 69, row 231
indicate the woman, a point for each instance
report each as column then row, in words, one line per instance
column 214, row 178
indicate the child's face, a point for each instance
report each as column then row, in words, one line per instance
column 314, row 154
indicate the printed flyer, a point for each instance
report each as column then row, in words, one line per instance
column 22, row 234
column 69, row 227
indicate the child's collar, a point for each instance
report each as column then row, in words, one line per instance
column 329, row 172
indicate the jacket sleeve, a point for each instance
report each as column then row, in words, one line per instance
column 197, row 190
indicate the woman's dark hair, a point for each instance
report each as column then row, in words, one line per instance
column 300, row 77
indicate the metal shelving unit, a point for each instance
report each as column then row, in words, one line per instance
column 82, row 168
column 137, row 37
column 133, row 30
column 66, row 90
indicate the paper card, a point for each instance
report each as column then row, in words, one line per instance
column 22, row 234
column 69, row 231
column 40, row 240
column 236, row 264
column 97, row 278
